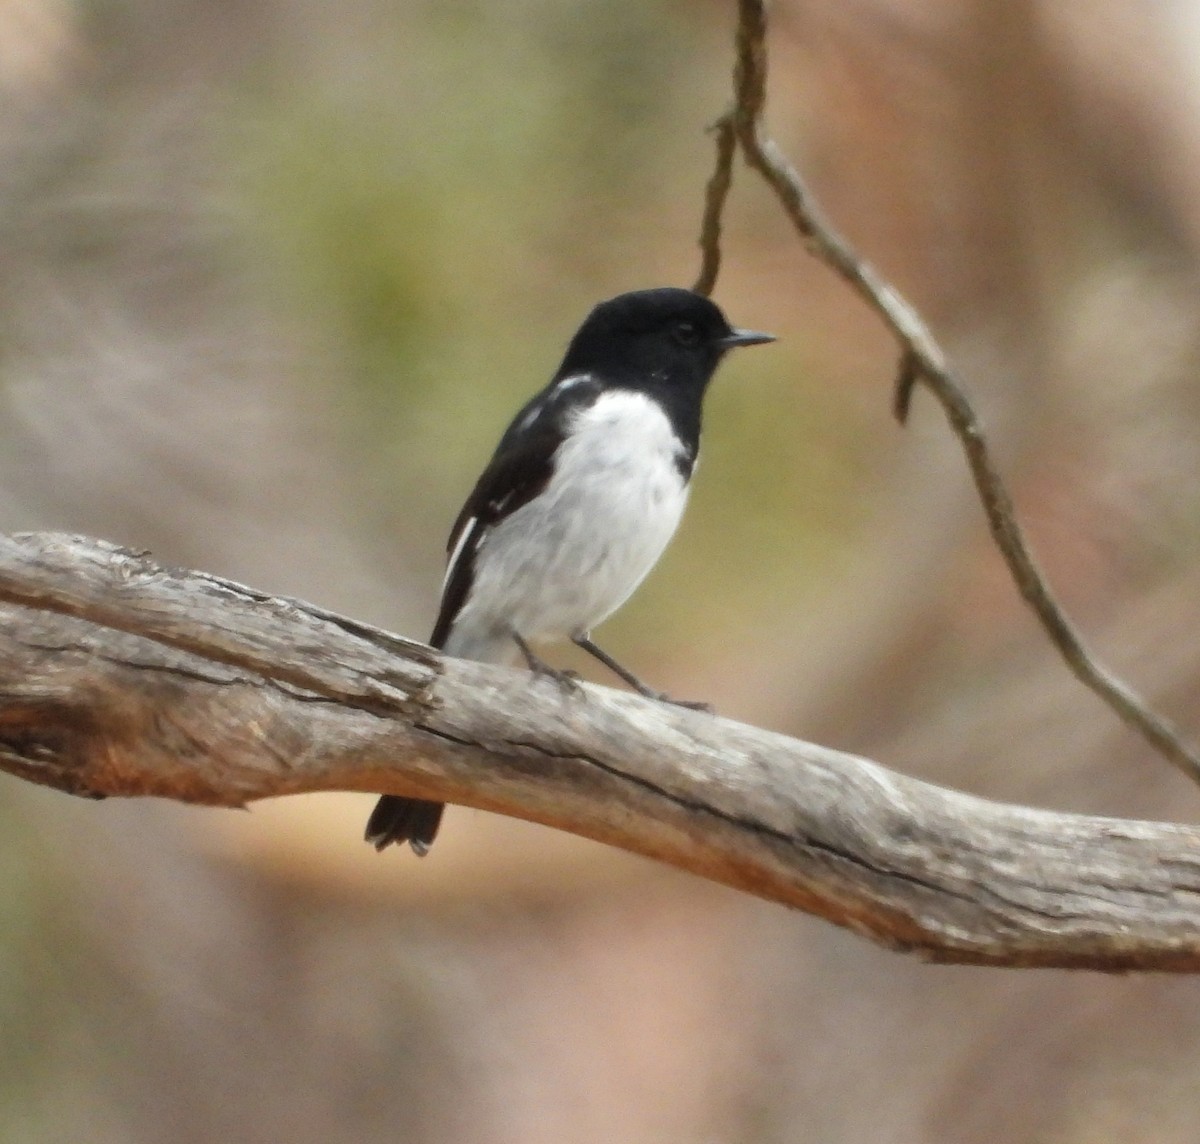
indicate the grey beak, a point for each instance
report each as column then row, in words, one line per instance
column 745, row 338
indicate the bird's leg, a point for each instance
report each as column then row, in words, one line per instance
column 584, row 640
column 567, row 680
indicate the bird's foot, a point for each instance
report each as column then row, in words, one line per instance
column 585, row 641
column 690, row 704
column 567, row 680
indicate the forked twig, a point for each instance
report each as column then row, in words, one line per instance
column 921, row 360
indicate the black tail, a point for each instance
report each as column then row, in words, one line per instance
column 411, row 820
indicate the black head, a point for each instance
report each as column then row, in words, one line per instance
column 666, row 341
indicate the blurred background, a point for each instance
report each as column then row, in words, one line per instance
column 274, row 274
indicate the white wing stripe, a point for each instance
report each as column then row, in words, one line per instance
column 463, row 540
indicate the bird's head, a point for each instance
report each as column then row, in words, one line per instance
column 666, row 339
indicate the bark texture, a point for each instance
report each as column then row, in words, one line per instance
column 121, row 677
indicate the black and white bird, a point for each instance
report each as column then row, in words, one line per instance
column 579, row 501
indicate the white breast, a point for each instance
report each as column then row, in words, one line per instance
column 573, row 555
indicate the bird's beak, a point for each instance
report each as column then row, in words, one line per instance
column 744, row 338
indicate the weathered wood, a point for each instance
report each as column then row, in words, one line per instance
column 120, row 677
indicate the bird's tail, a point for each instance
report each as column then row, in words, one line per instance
column 396, row 820
column 411, row 820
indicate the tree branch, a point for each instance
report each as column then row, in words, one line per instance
column 921, row 360
column 120, row 677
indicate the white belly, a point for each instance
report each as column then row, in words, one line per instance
column 573, row 555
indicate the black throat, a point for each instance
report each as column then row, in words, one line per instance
column 683, row 405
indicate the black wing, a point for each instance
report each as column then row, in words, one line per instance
column 520, row 469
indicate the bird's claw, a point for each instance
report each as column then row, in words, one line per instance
column 693, row 705
column 690, row 704
column 569, row 682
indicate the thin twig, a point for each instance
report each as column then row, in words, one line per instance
column 922, row 360
column 715, row 195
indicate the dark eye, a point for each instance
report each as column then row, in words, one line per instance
column 686, row 334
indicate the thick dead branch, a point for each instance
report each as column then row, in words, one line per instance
column 119, row 677
column 921, row 360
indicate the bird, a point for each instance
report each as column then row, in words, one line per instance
column 578, row 502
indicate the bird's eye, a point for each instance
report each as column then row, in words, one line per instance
column 686, row 334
